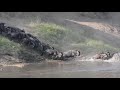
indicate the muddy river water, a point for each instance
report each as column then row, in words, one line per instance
column 62, row 69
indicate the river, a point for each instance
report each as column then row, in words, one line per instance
column 97, row 28
column 62, row 69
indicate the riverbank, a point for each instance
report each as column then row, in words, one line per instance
column 52, row 28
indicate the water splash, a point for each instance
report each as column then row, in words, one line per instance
column 115, row 58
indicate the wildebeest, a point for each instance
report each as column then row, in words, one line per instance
column 71, row 53
column 8, row 30
column 46, row 46
column 17, row 36
column 37, row 42
column 103, row 56
column 59, row 56
column 28, row 42
column 2, row 26
column 14, row 29
column 51, row 52
column 31, row 41
column 3, row 31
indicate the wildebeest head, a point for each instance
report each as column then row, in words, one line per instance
column 23, row 30
column 104, row 57
column 60, row 54
column 108, row 53
column 49, row 52
column 55, row 53
column 2, row 26
column 78, row 53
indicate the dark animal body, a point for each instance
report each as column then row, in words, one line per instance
column 70, row 54
column 103, row 56
column 20, row 36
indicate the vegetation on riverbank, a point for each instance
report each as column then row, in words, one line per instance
column 57, row 36
column 63, row 37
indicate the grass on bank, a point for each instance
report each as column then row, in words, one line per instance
column 64, row 37
column 16, row 50
column 56, row 35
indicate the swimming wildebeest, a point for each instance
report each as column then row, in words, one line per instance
column 71, row 53
column 103, row 56
column 58, row 56
column 51, row 53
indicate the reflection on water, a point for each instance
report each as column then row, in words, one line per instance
column 61, row 69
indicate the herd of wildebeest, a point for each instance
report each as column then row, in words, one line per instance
column 23, row 38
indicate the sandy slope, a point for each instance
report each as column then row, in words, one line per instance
column 105, row 27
